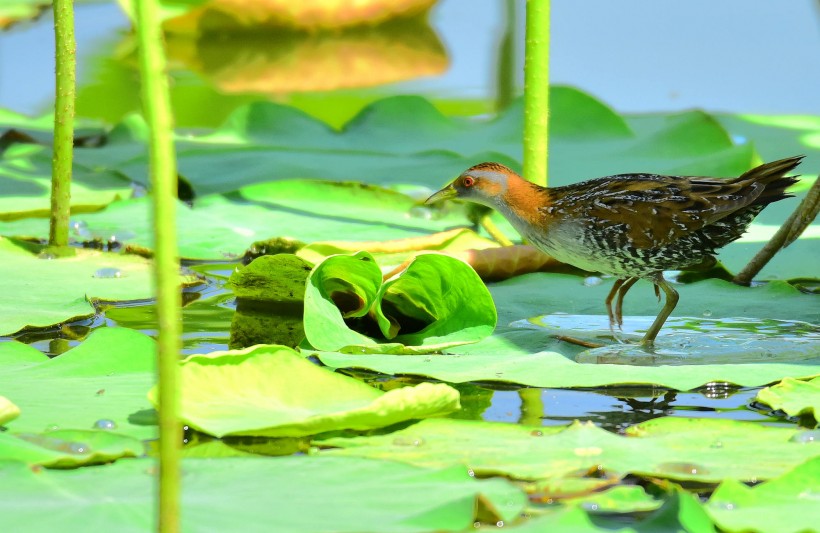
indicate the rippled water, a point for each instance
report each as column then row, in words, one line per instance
column 687, row 340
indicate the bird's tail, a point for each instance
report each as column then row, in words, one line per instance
column 772, row 175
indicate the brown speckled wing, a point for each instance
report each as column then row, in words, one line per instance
column 650, row 210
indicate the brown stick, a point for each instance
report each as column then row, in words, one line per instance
column 797, row 222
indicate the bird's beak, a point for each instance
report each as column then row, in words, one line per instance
column 446, row 193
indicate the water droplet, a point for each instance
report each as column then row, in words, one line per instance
column 407, row 441
column 108, row 273
column 476, row 525
column 807, row 436
column 589, row 506
column 537, row 433
column 78, row 448
column 500, row 523
column 80, row 229
column 716, row 444
column 592, row 281
column 726, row 506
column 707, row 313
column 52, row 427
column 46, row 255
column 471, row 472
column 104, row 423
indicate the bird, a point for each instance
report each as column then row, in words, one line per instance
column 630, row 226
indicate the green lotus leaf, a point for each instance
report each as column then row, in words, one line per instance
column 785, row 504
column 552, row 369
column 680, row 512
column 340, row 287
column 702, row 450
column 273, row 391
column 68, row 448
column 618, row 499
column 220, row 226
column 394, row 253
column 276, row 493
column 272, row 143
column 102, row 379
column 42, row 292
column 444, row 295
column 794, row 397
column 437, row 301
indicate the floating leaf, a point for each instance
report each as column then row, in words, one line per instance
column 786, row 504
column 619, row 499
column 388, row 253
column 105, row 377
column 273, row 391
column 680, row 512
column 219, row 226
column 68, row 448
column 794, row 397
column 702, row 450
column 277, row 492
column 43, row 292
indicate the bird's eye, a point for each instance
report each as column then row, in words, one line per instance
column 468, row 181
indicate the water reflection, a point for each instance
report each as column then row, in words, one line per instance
column 266, row 323
column 276, row 61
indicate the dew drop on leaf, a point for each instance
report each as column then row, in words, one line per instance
column 104, row 423
column 78, row 448
column 108, row 273
column 805, row 437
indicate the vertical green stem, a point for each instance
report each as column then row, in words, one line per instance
column 156, row 102
column 505, row 74
column 536, row 91
column 66, row 47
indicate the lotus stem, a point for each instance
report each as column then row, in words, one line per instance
column 157, row 108
column 66, row 61
column 791, row 229
column 536, row 91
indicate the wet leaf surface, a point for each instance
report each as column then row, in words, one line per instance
column 700, row 450
column 220, row 493
column 273, row 391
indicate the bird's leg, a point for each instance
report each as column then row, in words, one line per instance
column 668, row 306
column 608, row 303
column 619, row 304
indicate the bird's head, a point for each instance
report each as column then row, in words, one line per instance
column 485, row 184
